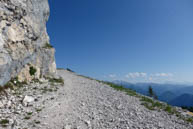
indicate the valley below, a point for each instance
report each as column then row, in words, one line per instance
column 180, row 95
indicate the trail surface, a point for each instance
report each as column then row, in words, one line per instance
column 86, row 104
column 80, row 103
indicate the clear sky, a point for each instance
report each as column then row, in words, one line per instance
column 132, row 40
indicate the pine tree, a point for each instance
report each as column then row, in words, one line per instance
column 150, row 91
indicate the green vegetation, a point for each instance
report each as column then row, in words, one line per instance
column 13, row 84
column 121, row 88
column 48, row 46
column 56, row 80
column 29, row 113
column 4, row 122
column 37, row 122
column 169, row 109
column 45, row 89
column 37, row 81
column 38, row 109
column 17, row 83
column 151, row 104
column 88, row 78
column 27, row 117
column 151, row 93
column 32, row 70
column 189, row 120
column 3, row 91
column 9, row 85
column 148, row 102
column 150, row 90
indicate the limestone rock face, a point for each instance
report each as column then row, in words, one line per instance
column 24, row 41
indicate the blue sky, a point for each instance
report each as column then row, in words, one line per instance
column 132, row 40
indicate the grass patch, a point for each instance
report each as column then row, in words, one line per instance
column 121, row 88
column 4, row 122
column 168, row 109
column 55, row 80
column 29, row 113
column 148, row 102
column 37, row 122
column 17, row 83
column 151, row 104
column 9, row 85
column 38, row 109
column 87, row 77
column 3, row 91
column 27, row 117
column 189, row 120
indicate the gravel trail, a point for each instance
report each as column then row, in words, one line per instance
column 80, row 103
column 87, row 104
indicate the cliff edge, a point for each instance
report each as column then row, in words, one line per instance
column 25, row 51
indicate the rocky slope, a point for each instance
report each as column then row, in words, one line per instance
column 24, row 43
column 81, row 103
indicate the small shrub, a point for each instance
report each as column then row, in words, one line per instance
column 157, row 104
column 148, row 106
column 169, row 109
column 151, row 104
column 32, row 70
column 3, row 92
column 152, row 93
column 4, row 122
column 47, row 46
column 38, row 110
column 146, row 99
column 37, row 122
column 29, row 113
column 189, row 120
column 9, row 85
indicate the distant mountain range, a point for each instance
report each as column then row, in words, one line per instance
column 173, row 94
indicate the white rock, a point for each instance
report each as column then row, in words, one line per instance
column 9, row 104
column 27, row 100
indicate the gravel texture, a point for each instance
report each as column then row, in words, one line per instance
column 82, row 103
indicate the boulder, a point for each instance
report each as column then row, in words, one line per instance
column 28, row 100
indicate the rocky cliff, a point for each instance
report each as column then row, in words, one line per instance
column 25, row 51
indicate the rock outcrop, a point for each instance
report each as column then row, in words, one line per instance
column 24, row 42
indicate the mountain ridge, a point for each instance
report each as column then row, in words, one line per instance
column 165, row 92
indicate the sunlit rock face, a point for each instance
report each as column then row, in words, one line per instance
column 24, row 41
